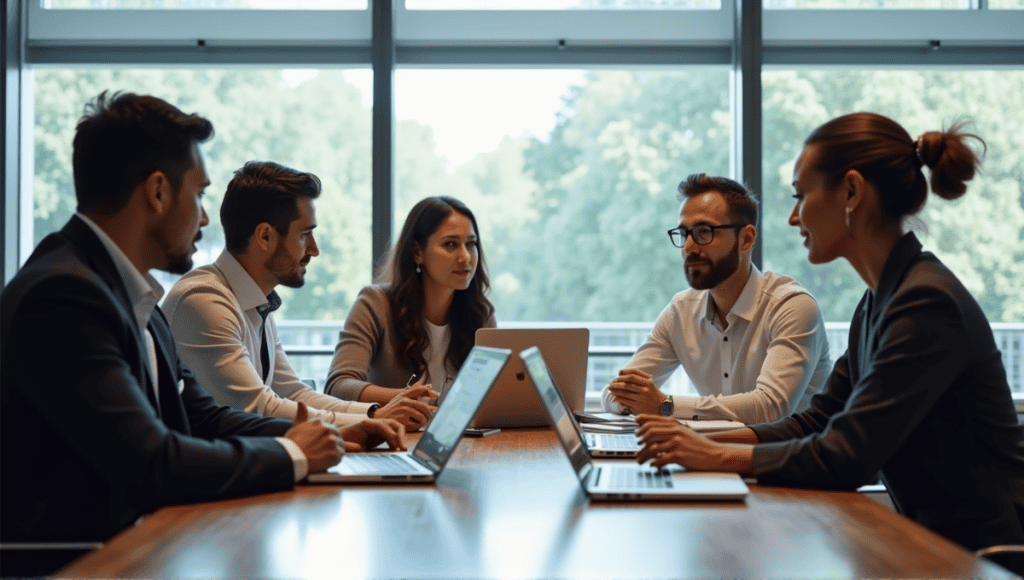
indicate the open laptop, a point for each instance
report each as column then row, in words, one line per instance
column 513, row 402
column 626, row 445
column 620, row 480
column 435, row 447
column 611, row 444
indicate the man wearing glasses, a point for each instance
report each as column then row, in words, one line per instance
column 753, row 344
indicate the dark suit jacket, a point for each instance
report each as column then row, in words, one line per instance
column 921, row 397
column 85, row 446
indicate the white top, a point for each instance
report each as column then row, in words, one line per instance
column 434, row 354
column 766, row 365
column 212, row 311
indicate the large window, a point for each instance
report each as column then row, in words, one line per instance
column 565, row 124
column 312, row 120
column 572, row 175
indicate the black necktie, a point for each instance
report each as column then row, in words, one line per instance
column 273, row 303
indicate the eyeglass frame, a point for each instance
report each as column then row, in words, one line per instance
column 688, row 232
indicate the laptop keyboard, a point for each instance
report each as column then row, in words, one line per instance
column 628, row 478
column 379, row 463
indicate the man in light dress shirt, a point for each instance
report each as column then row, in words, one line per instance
column 753, row 344
column 221, row 314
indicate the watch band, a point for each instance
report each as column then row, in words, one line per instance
column 668, row 406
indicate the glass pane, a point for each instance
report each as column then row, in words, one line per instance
column 871, row 4
column 207, row 4
column 1000, row 4
column 561, row 4
column 572, row 176
column 275, row 115
column 980, row 237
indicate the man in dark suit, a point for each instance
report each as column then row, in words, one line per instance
column 100, row 422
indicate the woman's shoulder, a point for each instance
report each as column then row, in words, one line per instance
column 374, row 293
column 373, row 298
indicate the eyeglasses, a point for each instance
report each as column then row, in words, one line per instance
column 702, row 234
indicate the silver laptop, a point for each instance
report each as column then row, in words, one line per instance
column 513, row 402
column 620, row 480
column 626, row 444
column 435, row 447
column 611, row 444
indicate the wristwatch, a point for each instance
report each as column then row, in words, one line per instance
column 372, row 410
column 668, row 406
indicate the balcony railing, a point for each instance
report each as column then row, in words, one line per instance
column 310, row 346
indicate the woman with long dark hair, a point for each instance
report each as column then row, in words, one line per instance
column 417, row 324
column 921, row 396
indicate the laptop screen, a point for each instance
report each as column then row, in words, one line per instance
column 460, row 404
column 564, row 424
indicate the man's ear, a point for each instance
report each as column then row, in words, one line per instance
column 264, row 237
column 157, row 190
column 748, row 235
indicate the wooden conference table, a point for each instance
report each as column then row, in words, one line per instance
column 510, row 506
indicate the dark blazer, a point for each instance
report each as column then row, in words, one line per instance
column 85, row 446
column 921, row 397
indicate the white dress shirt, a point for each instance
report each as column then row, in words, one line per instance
column 214, row 319
column 767, row 364
column 144, row 292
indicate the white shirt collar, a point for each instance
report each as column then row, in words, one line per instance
column 746, row 304
column 144, row 292
column 245, row 289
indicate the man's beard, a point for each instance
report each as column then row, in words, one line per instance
column 285, row 269
column 177, row 263
column 716, row 273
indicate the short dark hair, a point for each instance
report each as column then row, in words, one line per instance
column 123, row 138
column 882, row 151
column 263, row 191
column 742, row 204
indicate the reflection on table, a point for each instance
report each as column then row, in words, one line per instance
column 509, row 506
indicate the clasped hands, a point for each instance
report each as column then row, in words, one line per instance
column 324, row 445
column 636, row 392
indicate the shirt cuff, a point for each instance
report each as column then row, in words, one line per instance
column 299, row 461
column 685, row 408
column 609, row 405
column 359, row 408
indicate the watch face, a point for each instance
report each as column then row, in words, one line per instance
column 666, row 407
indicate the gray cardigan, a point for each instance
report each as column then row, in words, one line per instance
column 365, row 354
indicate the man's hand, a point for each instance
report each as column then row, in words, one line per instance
column 370, row 433
column 635, row 390
column 320, row 442
column 407, row 408
column 665, row 441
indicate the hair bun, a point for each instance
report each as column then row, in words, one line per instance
column 930, row 147
column 952, row 162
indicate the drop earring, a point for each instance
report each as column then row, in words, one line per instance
column 848, row 210
column 418, row 266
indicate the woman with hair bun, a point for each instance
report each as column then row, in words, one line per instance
column 920, row 398
column 418, row 323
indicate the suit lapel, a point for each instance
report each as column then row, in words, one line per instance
column 167, row 369
column 93, row 253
